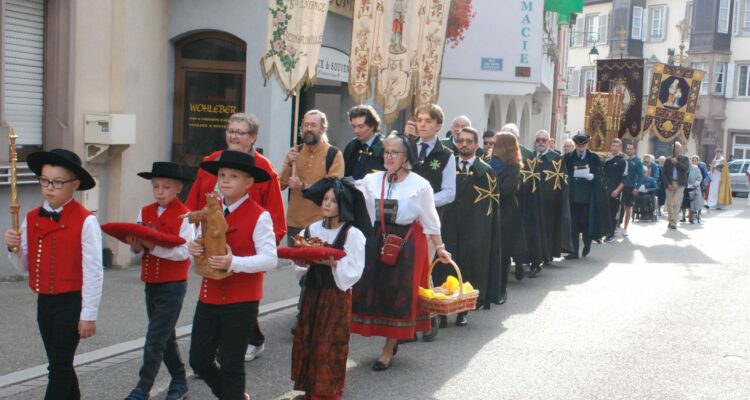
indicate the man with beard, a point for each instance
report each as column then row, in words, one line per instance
column 315, row 159
column 536, row 252
column 364, row 154
column 435, row 163
column 470, row 227
column 553, row 192
column 615, row 172
column 588, row 196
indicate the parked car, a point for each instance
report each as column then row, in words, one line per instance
column 738, row 176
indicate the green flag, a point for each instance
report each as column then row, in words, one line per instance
column 563, row 8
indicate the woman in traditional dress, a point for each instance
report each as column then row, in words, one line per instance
column 321, row 339
column 506, row 162
column 385, row 299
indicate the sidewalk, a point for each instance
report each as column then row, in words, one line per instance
column 122, row 317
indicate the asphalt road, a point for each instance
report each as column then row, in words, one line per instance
column 659, row 315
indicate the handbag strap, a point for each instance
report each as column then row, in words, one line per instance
column 382, row 211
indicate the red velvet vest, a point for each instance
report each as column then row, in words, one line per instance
column 240, row 287
column 159, row 270
column 55, row 250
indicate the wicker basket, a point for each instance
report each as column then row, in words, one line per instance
column 452, row 305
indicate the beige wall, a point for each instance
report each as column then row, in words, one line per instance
column 120, row 66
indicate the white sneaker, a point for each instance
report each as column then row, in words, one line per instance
column 254, row 351
column 624, row 232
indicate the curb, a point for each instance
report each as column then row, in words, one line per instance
column 121, row 348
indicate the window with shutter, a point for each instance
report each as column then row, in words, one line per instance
column 743, row 80
column 637, row 23
column 574, row 84
column 729, row 78
column 23, row 88
column 746, row 18
column 719, row 75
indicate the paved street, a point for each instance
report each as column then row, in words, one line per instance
column 659, row 315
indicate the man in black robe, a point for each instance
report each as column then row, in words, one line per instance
column 364, row 153
column 468, row 229
column 589, row 206
column 553, row 192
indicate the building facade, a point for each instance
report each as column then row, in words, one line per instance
column 715, row 41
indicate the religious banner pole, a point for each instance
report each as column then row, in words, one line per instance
column 294, row 36
column 14, row 205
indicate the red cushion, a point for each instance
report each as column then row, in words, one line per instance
column 309, row 253
column 120, row 230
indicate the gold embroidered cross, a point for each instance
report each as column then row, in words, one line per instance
column 531, row 173
column 556, row 174
column 489, row 193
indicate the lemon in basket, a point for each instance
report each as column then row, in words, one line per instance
column 468, row 288
column 451, row 284
column 426, row 293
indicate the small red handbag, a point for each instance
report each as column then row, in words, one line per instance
column 392, row 243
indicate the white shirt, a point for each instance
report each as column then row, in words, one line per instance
column 265, row 258
column 416, row 201
column 177, row 253
column 447, row 191
column 468, row 162
column 349, row 268
column 93, row 272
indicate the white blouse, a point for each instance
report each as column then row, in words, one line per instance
column 416, row 200
column 349, row 268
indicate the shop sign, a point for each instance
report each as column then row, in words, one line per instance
column 333, row 64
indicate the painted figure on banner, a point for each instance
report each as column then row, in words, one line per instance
column 672, row 101
column 397, row 28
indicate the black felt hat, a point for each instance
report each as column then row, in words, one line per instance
column 166, row 169
column 580, row 139
column 351, row 202
column 236, row 160
column 61, row 158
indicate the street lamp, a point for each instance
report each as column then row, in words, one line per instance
column 593, row 55
column 590, row 37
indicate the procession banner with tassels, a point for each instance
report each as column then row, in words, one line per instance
column 625, row 77
column 294, row 36
column 672, row 102
column 400, row 42
column 602, row 119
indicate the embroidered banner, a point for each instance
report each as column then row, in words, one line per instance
column 672, row 101
column 625, row 77
column 602, row 120
column 400, row 42
column 294, row 36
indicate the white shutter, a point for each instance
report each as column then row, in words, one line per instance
column 736, row 17
column 23, row 94
column 579, row 35
column 603, row 28
column 644, row 25
column 729, row 81
column 637, row 23
column 665, row 23
column 575, row 83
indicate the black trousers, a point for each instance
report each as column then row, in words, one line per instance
column 224, row 328
column 579, row 214
column 504, row 272
column 58, row 316
column 614, row 210
column 163, row 305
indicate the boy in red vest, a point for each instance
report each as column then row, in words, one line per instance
column 228, row 308
column 165, row 272
column 60, row 245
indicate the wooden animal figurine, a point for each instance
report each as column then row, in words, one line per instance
column 214, row 236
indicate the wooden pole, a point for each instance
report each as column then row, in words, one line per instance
column 295, row 129
column 14, row 205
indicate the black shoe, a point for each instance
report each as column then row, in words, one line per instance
column 503, row 299
column 571, row 256
column 519, row 272
column 443, row 322
column 586, row 251
column 413, row 339
column 381, row 366
column 430, row 336
column 487, row 306
column 609, row 238
column 480, row 306
column 534, row 272
column 461, row 319
column 598, row 241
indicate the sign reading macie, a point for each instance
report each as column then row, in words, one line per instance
column 515, row 28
